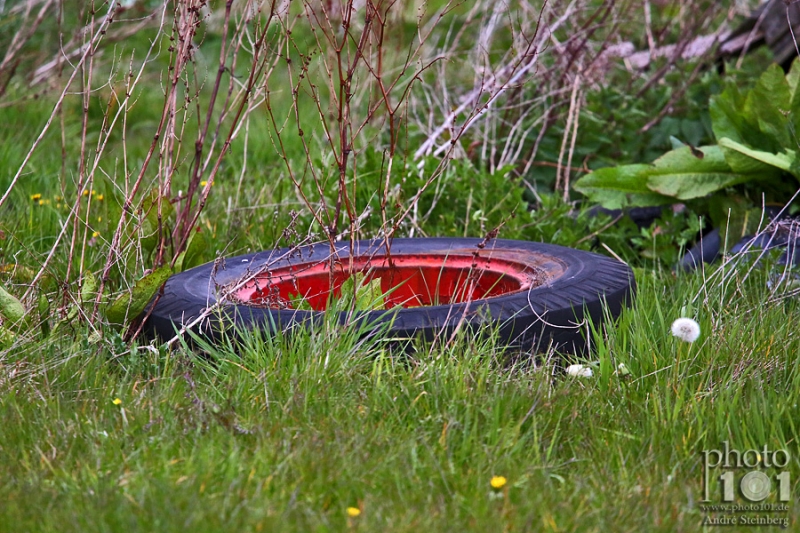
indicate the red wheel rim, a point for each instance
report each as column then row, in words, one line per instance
column 407, row 281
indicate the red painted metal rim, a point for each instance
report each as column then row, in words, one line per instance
column 408, row 280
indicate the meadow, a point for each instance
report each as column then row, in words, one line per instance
column 190, row 131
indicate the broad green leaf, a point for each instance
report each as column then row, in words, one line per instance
column 89, row 288
column 681, row 174
column 179, row 262
column 770, row 100
column 727, row 115
column 149, row 222
column 794, row 76
column 193, row 254
column 688, row 173
column 347, row 291
column 690, row 185
column 11, row 308
column 299, row 302
column 132, row 302
column 368, row 295
column 784, row 161
column 746, row 165
column 676, row 143
column 618, row 187
column 793, row 79
column 688, row 159
column 148, row 233
column 43, row 307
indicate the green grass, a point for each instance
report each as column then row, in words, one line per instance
column 285, row 434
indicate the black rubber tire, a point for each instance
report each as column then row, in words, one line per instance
column 579, row 285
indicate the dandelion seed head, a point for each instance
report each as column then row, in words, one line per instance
column 580, row 371
column 686, row 329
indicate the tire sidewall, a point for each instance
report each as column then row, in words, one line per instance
column 579, row 285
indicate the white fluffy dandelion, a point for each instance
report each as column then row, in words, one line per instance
column 580, row 371
column 686, row 329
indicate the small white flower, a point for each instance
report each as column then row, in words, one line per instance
column 580, row 371
column 686, row 329
column 623, row 370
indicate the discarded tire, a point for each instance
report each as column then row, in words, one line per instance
column 536, row 295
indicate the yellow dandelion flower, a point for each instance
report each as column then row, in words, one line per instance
column 94, row 192
column 95, row 233
column 203, row 184
column 58, row 198
column 86, row 192
column 353, row 511
column 58, row 206
column 36, row 197
column 100, row 197
column 41, row 202
column 498, row 482
column 117, row 401
column 99, row 219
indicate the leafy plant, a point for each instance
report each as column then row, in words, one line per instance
column 357, row 293
column 756, row 146
column 132, row 302
column 360, row 294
